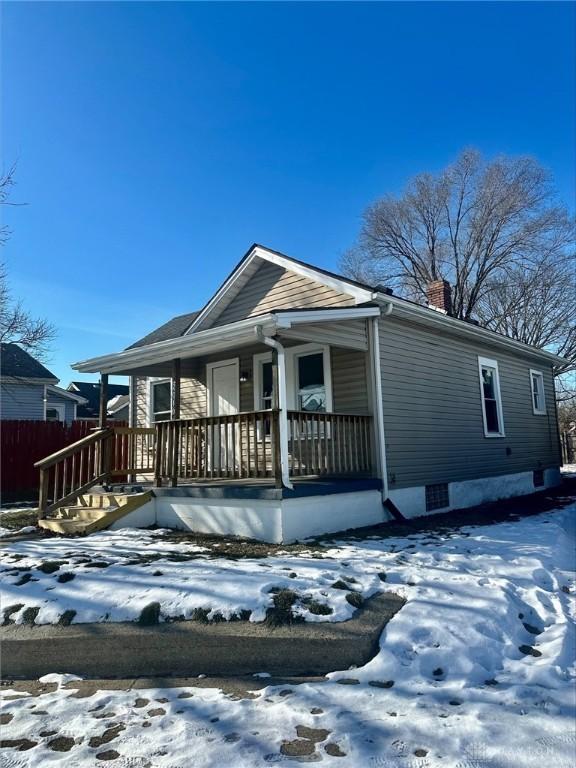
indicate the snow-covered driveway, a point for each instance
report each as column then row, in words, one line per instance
column 476, row 671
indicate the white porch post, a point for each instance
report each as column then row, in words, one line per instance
column 280, row 400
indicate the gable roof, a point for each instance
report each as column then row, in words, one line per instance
column 175, row 327
column 249, row 264
column 15, row 362
column 90, row 391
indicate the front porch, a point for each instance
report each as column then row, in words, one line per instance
column 314, row 415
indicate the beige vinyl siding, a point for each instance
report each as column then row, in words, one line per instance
column 349, row 388
column 273, row 287
column 433, row 410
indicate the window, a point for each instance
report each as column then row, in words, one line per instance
column 266, row 384
column 491, row 401
column 437, row 496
column 54, row 412
column 538, row 397
column 160, row 401
column 310, row 384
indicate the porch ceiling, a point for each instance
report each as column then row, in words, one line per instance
column 155, row 359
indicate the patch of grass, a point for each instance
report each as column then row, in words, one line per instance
column 66, row 618
column 319, row 609
column 19, row 519
column 51, row 566
column 29, row 615
column 340, row 585
column 149, row 615
column 281, row 613
column 382, row 576
column 355, row 599
column 8, row 611
column 200, row 614
column 24, row 579
column 236, row 548
column 64, row 577
column 96, row 564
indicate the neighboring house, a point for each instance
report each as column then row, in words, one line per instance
column 28, row 390
column 298, row 402
column 117, row 409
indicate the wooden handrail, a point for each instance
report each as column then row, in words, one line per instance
column 54, row 458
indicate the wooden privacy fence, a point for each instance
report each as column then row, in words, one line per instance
column 22, row 443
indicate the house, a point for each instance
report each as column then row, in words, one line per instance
column 28, row 390
column 90, row 390
column 299, row 402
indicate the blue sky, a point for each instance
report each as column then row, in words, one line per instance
column 155, row 142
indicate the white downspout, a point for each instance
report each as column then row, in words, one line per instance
column 282, row 402
column 379, row 408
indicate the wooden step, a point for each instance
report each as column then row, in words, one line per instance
column 80, row 519
column 82, row 513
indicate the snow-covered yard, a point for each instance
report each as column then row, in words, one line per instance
column 476, row 671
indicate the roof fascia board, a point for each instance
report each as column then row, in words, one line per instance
column 163, row 351
column 459, row 327
column 66, row 394
column 288, row 319
column 342, row 286
column 358, row 293
column 224, row 288
column 27, row 380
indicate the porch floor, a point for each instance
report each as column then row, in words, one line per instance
column 257, row 488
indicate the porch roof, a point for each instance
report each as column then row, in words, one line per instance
column 218, row 339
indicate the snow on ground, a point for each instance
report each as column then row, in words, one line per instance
column 476, row 671
column 113, row 575
column 569, row 470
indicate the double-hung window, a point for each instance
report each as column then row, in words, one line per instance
column 491, row 399
column 311, row 392
column 160, row 400
column 537, row 389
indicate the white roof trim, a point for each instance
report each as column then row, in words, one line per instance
column 461, row 328
column 66, row 394
column 288, row 319
column 216, row 339
column 202, row 342
column 358, row 293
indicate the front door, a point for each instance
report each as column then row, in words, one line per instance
column 223, row 400
column 223, row 380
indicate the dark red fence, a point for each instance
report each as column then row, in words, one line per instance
column 22, row 443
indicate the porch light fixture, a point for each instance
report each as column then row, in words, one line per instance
column 244, row 377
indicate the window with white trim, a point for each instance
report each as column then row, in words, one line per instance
column 310, row 382
column 160, row 400
column 538, row 396
column 491, row 399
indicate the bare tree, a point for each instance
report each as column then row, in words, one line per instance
column 473, row 224
column 17, row 325
column 495, row 231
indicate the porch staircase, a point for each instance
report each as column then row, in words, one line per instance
column 93, row 511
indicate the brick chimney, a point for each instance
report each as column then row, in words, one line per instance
column 439, row 295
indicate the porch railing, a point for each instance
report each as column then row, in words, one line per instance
column 238, row 446
column 328, row 443
column 242, row 445
column 115, row 452
column 247, row 445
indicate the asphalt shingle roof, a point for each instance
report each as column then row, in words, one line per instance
column 175, row 327
column 15, row 361
column 91, row 391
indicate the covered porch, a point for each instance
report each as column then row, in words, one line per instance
column 272, row 400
